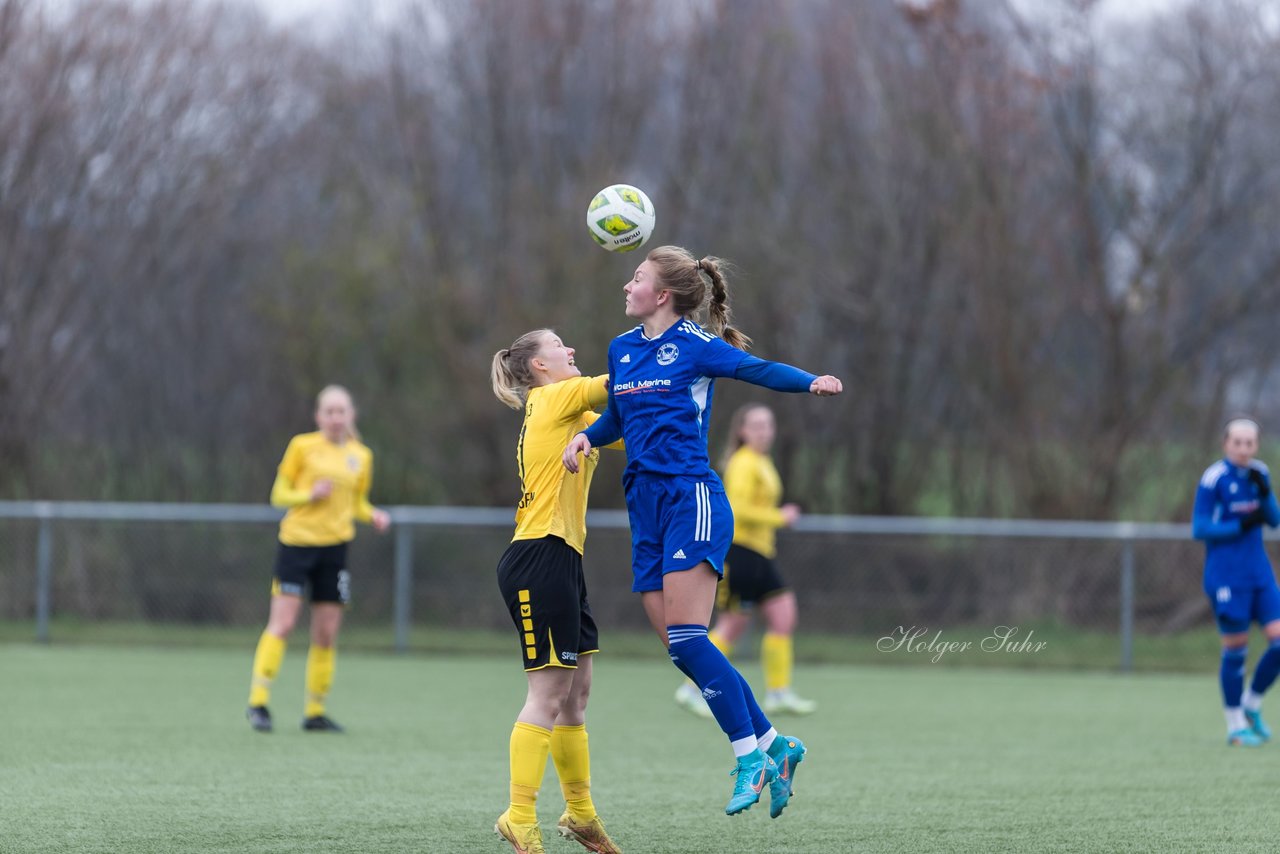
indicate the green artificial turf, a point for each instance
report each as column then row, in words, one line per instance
column 128, row 749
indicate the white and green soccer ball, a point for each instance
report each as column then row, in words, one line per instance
column 620, row 218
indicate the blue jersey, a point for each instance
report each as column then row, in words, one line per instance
column 1225, row 495
column 660, row 392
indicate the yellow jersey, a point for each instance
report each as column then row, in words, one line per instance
column 553, row 501
column 754, row 490
column 329, row 521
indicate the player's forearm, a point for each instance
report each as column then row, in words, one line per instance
column 1204, row 528
column 364, row 510
column 605, row 431
column 774, row 375
column 1271, row 510
column 284, row 495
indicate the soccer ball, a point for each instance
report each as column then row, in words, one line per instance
column 620, row 218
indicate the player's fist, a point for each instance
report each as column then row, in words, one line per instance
column 825, row 386
column 381, row 520
column 321, row 489
column 790, row 513
column 1260, row 480
column 1252, row 520
column 579, row 444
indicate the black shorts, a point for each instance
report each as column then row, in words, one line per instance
column 749, row 578
column 323, row 568
column 545, row 591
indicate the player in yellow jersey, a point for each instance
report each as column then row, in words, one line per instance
column 540, row 576
column 751, row 578
column 324, row 481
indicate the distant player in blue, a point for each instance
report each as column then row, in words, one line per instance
column 1233, row 502
column 661, row 375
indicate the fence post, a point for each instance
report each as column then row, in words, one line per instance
column 403, row 584
column 44, row 571
column 1127, row 572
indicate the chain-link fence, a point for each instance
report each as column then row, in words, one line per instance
column 98, row 564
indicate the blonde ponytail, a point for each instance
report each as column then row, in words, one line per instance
column 720, row 312
column 680, row 274
column 511, row 374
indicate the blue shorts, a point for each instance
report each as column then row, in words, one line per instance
column 676, row 524
column 1238, row 604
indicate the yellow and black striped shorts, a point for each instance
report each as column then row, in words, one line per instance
column 546, row 593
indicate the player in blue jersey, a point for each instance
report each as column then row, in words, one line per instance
column 661, row 375
column 1233, row 502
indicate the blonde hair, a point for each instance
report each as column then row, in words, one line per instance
column 681, row 274
column 736, row 421
column 352, row 432
column 511, row 374
column 1244, row 422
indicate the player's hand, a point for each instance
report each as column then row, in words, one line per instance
column 1260, row 480
column 580, row 444
column 381, row 520
column 1252, row 520
column 321, row 489
column 826, row 386
column 790, row 513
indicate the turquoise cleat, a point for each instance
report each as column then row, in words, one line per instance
column 1258, row 725
column 1244, row 738
column 754, row 771
column 787, row 752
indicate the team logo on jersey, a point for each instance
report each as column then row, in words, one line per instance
column 625, row 359
column 1233, row 488
column 667, row 353
column 353, row 462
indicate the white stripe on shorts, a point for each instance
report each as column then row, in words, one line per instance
column 704, row 507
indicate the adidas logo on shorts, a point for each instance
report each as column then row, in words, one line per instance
column 679, row 555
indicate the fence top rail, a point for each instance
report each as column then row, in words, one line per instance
column 125, row 511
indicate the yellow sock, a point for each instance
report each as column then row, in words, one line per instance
column 777, row 658
column 529, row 747
column 721, row 644
column 573, row 766
column 266, row 664
column 319, row 678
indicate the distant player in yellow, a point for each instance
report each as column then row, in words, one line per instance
column 751, row 579
column 540, row 576
column 324, row 480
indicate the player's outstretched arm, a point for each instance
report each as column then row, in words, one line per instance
column 782, row 377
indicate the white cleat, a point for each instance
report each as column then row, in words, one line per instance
column 788, row 702
column 689, row 697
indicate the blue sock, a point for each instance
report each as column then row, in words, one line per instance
column 1267, row 669
column 697, row 657
column 1232, row 676
column 675, row 659
column 759, row 723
